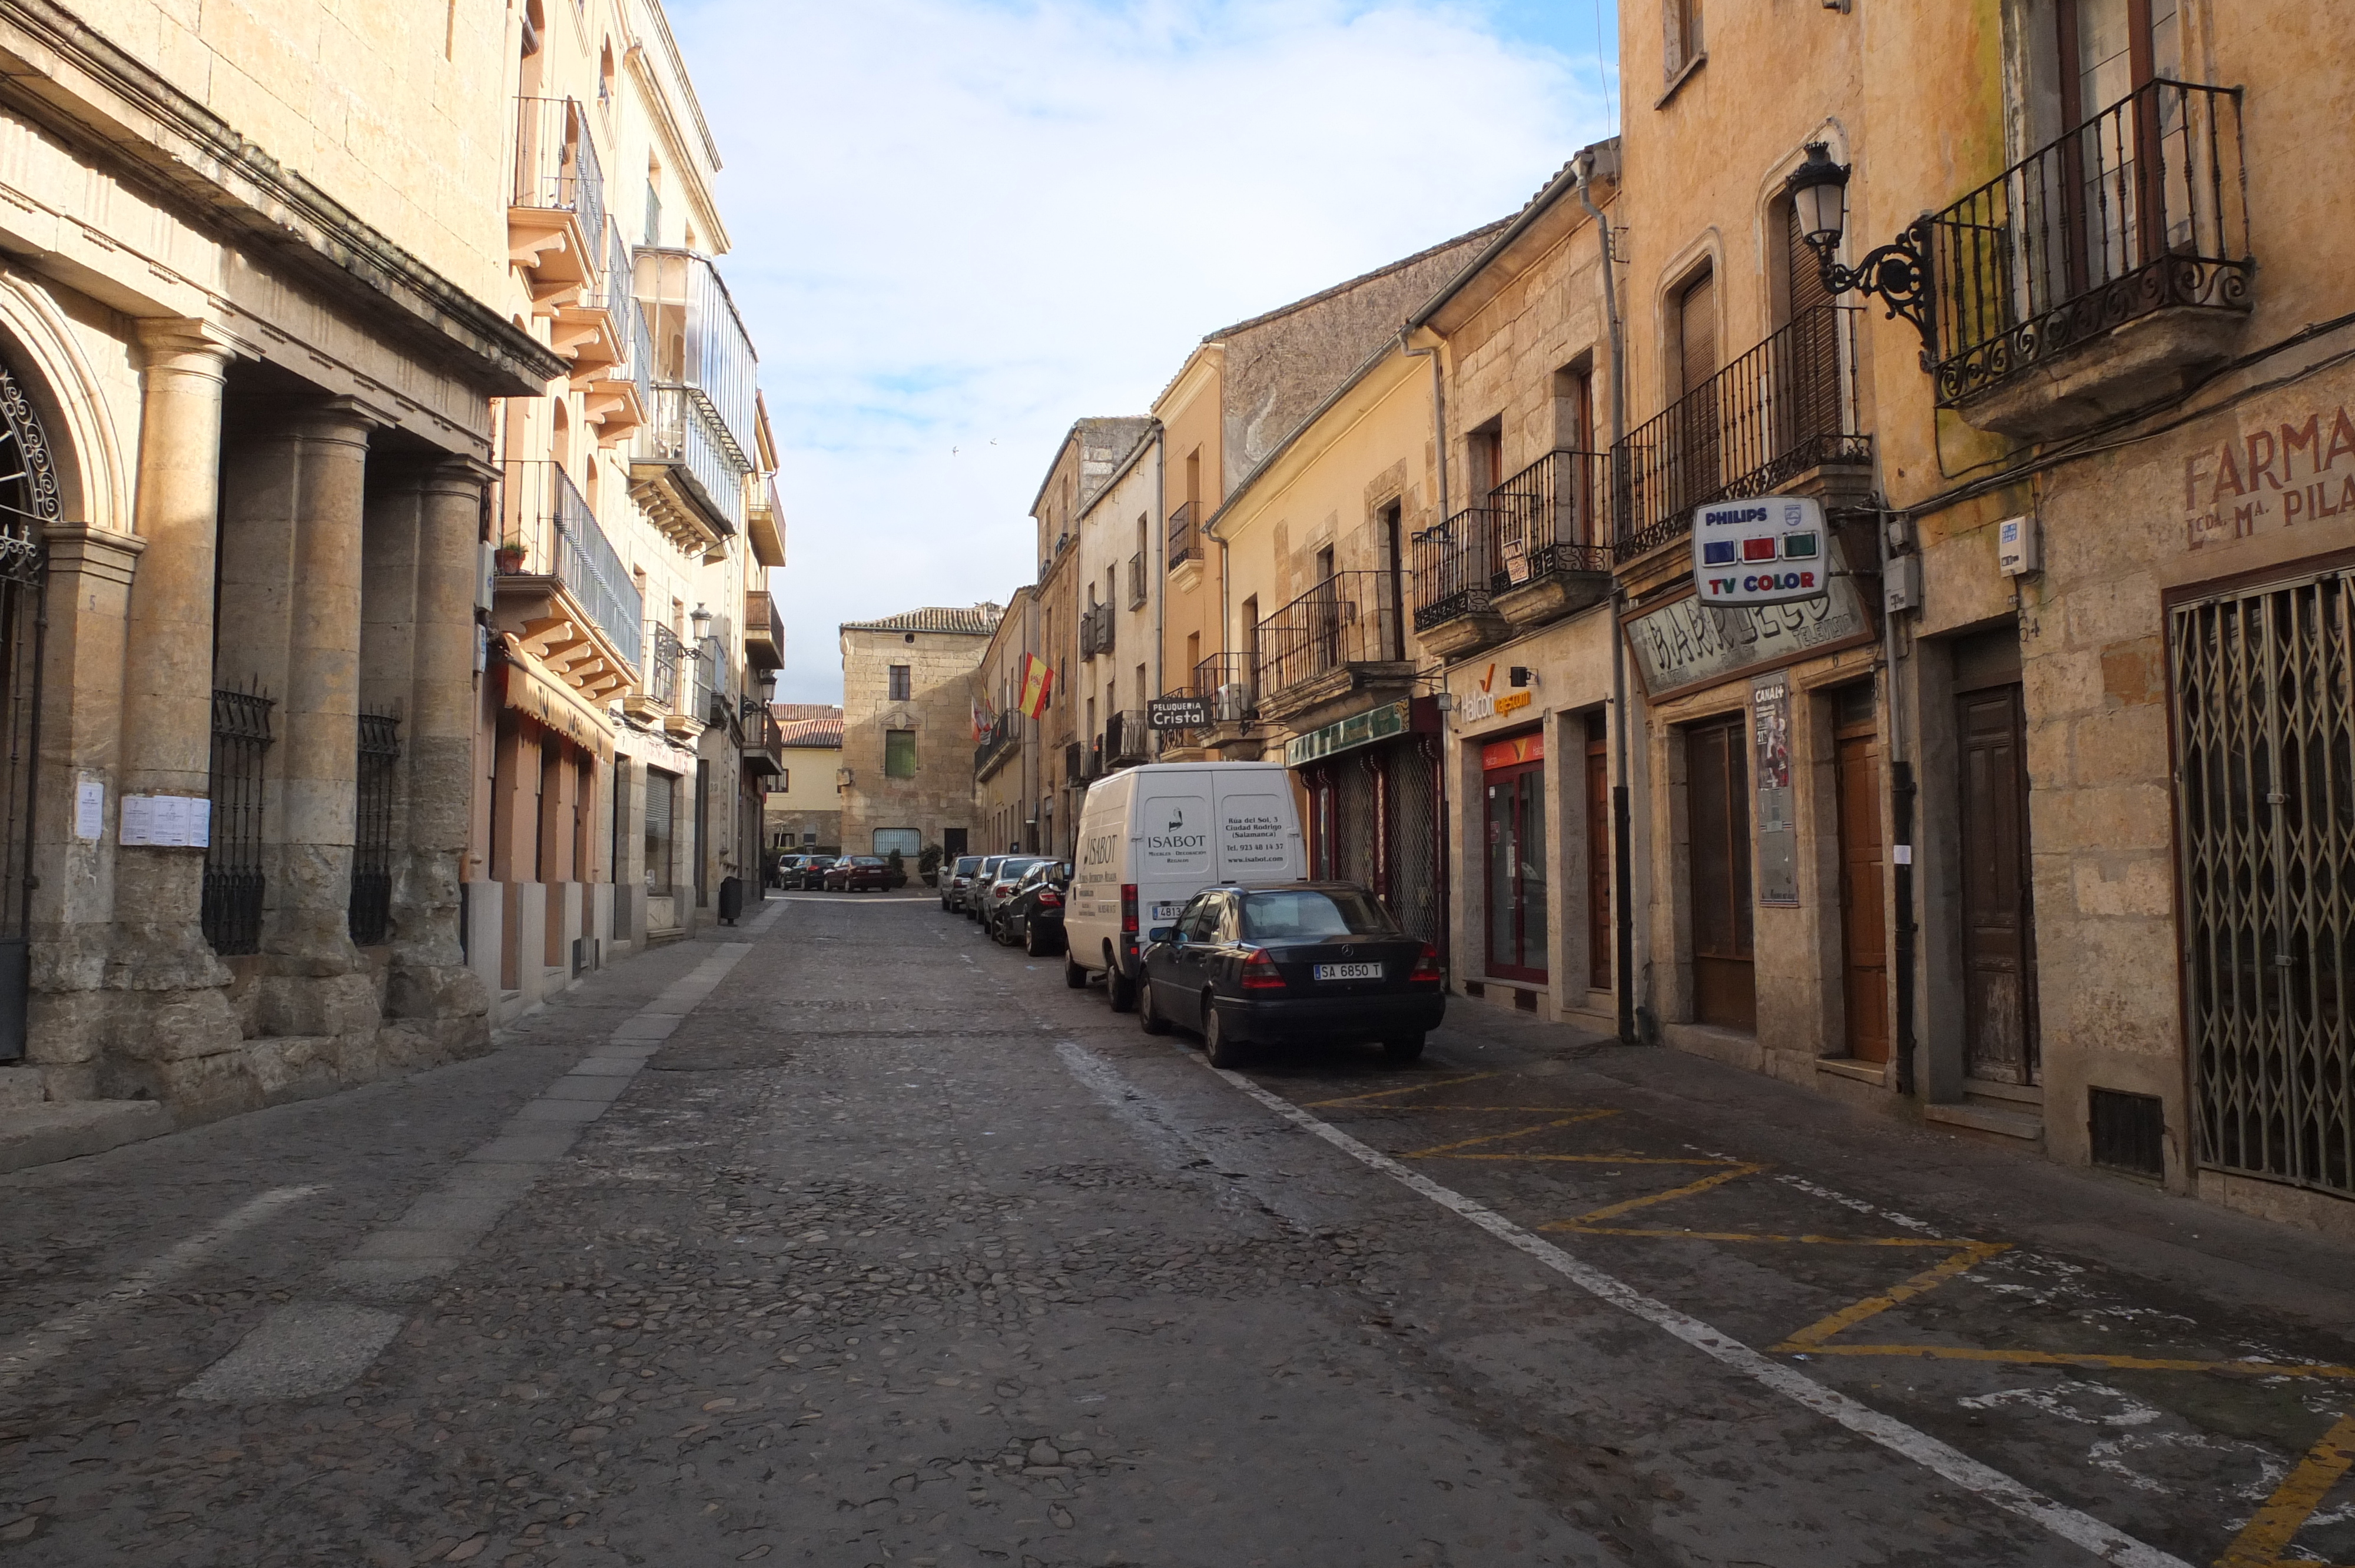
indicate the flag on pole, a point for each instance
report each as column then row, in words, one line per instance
column 1037, row 685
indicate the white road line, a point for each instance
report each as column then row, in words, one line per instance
column 40, row 1346
column 2079, row 1529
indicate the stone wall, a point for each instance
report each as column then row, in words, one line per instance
column 939, row 711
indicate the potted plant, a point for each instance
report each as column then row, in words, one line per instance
column 895, row 870
column 510, row 556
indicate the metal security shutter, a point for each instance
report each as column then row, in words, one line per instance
column 2264, row 735
column 1413, row 891
column 662, row 793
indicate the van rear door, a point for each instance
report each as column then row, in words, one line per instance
column 1175, row 844
column 1259, row 831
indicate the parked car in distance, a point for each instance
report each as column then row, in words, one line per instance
column 957, row 880
column 1032, row 916
column 786, row 869
column 992, row 893
column 857, row 874
column 809, row 876
column 1271, row 963
column 981, row 875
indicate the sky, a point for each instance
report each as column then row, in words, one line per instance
column 959, row 224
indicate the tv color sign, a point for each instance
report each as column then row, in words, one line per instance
column 1768, row 549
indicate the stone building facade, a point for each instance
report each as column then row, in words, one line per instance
column 1006, row 752
column 252, row 326
column 802, row 811
column 907, row 730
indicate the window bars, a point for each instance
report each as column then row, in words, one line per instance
column 234, row 884
column 370, row 915
column 2143, row 207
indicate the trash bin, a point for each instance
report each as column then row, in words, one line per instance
column 731, row 899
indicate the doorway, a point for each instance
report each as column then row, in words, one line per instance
column 1999, row 929
column 1864, row 952
column 1513, row 781
column 1716, row 811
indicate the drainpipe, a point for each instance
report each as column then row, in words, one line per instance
column 1158, row 553
column 1623, row 832
column 1438, row 414
column 1901, row 809
column 1439, row 450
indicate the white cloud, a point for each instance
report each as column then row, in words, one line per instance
column 961, row 225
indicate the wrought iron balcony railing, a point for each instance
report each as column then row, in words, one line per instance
column 1127, row 738
column 2143, row 207
column 556, row 166
column 1349, row 619
column 1550, row 518
column 1181, row 544
column 662, row 667
column 1451, row 572
column 684, row 434
column 545, row 529
column 1784, row 408
column 1232, row 683
column 1004, row 738
column 1137, row 580
column 715, row 696
column 1095, row 630
column 700, row 343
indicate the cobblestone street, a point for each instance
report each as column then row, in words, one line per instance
column 849, row 1238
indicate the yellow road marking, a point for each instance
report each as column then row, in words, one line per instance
column 2079, row 1359
column 1443, row 1148
column 1408, row 1089
column 1612, row 1211
column 1671, row 1233
column 1968, row 1255
column 2276, row 1524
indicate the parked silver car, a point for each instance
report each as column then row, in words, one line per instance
column 957, row 880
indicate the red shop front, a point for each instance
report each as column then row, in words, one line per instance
column 1512, row 780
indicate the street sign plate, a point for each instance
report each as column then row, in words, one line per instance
column 1768, row 549
column 1177, row 712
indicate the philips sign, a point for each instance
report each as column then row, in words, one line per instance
column 1768, row 549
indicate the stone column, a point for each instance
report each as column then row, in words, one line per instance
column 291, row 619
column 430, row 988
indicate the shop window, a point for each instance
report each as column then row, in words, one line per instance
column 899, row 754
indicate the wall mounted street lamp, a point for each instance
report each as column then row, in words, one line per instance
column 701, row 617
column 1899, row 272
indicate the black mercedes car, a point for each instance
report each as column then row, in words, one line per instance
column 1263, row 963
column 811, row 875
column 1032, row 914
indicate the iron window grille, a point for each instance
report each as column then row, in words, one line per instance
column 662, row 676
column 1180, row 543
column 28, row 502
column 234, row 882
column 370, row 915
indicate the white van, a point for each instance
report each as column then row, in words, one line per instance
column 1152, row 837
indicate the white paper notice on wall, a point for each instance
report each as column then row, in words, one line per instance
column 90, row 809
column 166, row 821
column 1902, row 854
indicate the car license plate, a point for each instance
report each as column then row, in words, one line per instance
column 1349, row 972
column 1166, row 911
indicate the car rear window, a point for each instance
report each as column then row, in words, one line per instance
column 967, row 864
column 1308, row 913
column 866, row 860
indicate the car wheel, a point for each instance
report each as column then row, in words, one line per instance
column 1223, row 1049
column 1402, row 1049
column 1119, row 988
column 1148, row 1017
column 1074, row 976
column 1032, row 945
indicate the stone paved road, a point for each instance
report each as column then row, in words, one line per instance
column 851, row 1239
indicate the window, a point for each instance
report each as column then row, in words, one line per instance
column 784, row 781
column 903, row 682
column 1485, row 449
column 662, row 793
column 1685, row 42
column 899, row 754
column 909, row 842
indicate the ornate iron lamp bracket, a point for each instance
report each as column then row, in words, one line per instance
column 1898, row 272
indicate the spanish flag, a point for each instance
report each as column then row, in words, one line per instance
column 1037, row 685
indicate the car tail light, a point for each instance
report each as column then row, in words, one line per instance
column 1260, row 973
column 1128, row 907
column 1426, row 968
column 1049, row 899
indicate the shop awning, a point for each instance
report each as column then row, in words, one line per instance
column 532, row 690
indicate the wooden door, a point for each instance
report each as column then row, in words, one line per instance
column 1717, row 807
column 1998, row 927
column 1864, row 954
column 1696, row 445
column 1599, row 929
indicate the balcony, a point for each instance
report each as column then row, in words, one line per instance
column 1340, row 638
column 1549, row 558
column 764, row 522
column 1182, row 544
column 1003, row 741
column 764, row 636
column 690, row 465
column 764, row 744
column 556, row 203
column 715, row 681
column 1137, row 580
column 1453, row 585
column 1780, row 416
column 656, row 697
column 2099, row 274
column 592, row 324
column 560, row 589
column 1095, row 630
column 1127, row 738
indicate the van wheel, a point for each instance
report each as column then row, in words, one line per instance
column 1120, row 989
column 1223, row 1049
column 1074, row 976
column 1149, row 1016
column 1402, row 1049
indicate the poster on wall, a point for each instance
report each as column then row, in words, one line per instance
column 1778, row 832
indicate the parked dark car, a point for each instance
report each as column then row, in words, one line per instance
column 981, row 875
column 957, row 880
column 1266, row 963
column 811, row 873
column 857, row 874
column 991, row 893
column 1032, row 915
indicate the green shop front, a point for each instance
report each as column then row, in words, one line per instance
column 1374, row 807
